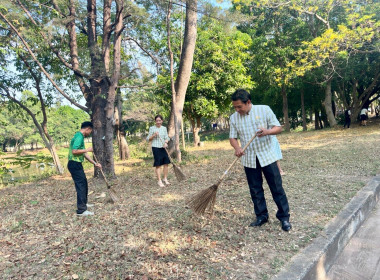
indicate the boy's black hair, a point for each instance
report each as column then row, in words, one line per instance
column 241, row 94
column 87, row 124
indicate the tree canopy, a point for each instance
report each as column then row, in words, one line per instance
column 305, row 59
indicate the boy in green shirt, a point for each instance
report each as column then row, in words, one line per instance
column 77, row 153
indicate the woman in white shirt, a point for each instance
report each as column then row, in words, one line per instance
column 363, row 116
column 158, row 134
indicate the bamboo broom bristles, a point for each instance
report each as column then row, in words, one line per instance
column 177, row 171
column 205, row 199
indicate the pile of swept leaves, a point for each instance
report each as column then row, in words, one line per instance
column 151, row 234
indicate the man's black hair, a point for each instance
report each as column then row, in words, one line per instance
column 158, row 116
column 242, row 95
column 87, row 124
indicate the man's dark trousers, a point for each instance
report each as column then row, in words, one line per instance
column 81, row 186
column 273, row 177
column 347, row 122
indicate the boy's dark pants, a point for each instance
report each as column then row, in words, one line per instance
column 347, row 122
column 273, row 177
column 81, row 186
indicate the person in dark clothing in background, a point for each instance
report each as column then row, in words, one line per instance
column 347, row 118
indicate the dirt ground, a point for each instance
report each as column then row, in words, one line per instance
column 151, row 233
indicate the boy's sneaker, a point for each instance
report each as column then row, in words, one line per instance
column 86, row 213
column 90, row 205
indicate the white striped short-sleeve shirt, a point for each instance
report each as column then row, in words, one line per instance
column 260, row 116
column 156, row 142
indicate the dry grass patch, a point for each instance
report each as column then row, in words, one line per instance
column 151, row 234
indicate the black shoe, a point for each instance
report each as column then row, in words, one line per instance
column 285, row 225
column 259, row 222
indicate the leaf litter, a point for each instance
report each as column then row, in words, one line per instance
column 151, row 233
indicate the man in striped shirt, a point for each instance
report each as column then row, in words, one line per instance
column 259, row 156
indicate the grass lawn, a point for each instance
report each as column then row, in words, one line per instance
column 151, row 234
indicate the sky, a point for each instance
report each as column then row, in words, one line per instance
column 223, row 4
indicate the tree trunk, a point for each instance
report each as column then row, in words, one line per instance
column 316, row 120
column 49, row 142
column 304, row 124
column 333, row 107
column 102, row 95
column 183, row 135
column 123, row 146
column 57, row 162
column 120, row 133
column 341, row 96
column 285, row 108
column 196, row 126
column 185, row 65
column 102, row 135
column 177, row 151
column 328, row 104
column 16, row 148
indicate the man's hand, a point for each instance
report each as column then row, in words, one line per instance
column 262, row 132
column 239, row 152
column 90, row 149
column 235, row 144
column 165, row 145
column 156, row 134
column 97, row 164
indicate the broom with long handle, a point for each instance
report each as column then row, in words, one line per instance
column 112, row 193
column 177, row 171
column 205, row 199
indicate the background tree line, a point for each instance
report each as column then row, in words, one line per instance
column 121, row 62
column 17, row 130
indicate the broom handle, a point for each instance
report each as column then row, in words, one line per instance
column 235, row 160
column 101, row 170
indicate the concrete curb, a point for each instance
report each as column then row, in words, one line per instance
column 316, row 259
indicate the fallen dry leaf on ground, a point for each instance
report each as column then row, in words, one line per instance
column 151, row 234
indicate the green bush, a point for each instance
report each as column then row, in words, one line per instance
column 140, row 150
column 215, row 136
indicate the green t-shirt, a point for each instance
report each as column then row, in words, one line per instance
column 77, row 143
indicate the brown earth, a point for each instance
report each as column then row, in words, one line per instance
column 151, row 234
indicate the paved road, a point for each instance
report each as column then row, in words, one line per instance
column 360, row 259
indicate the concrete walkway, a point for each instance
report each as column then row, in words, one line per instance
column 328, row 257
column 360, row 259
